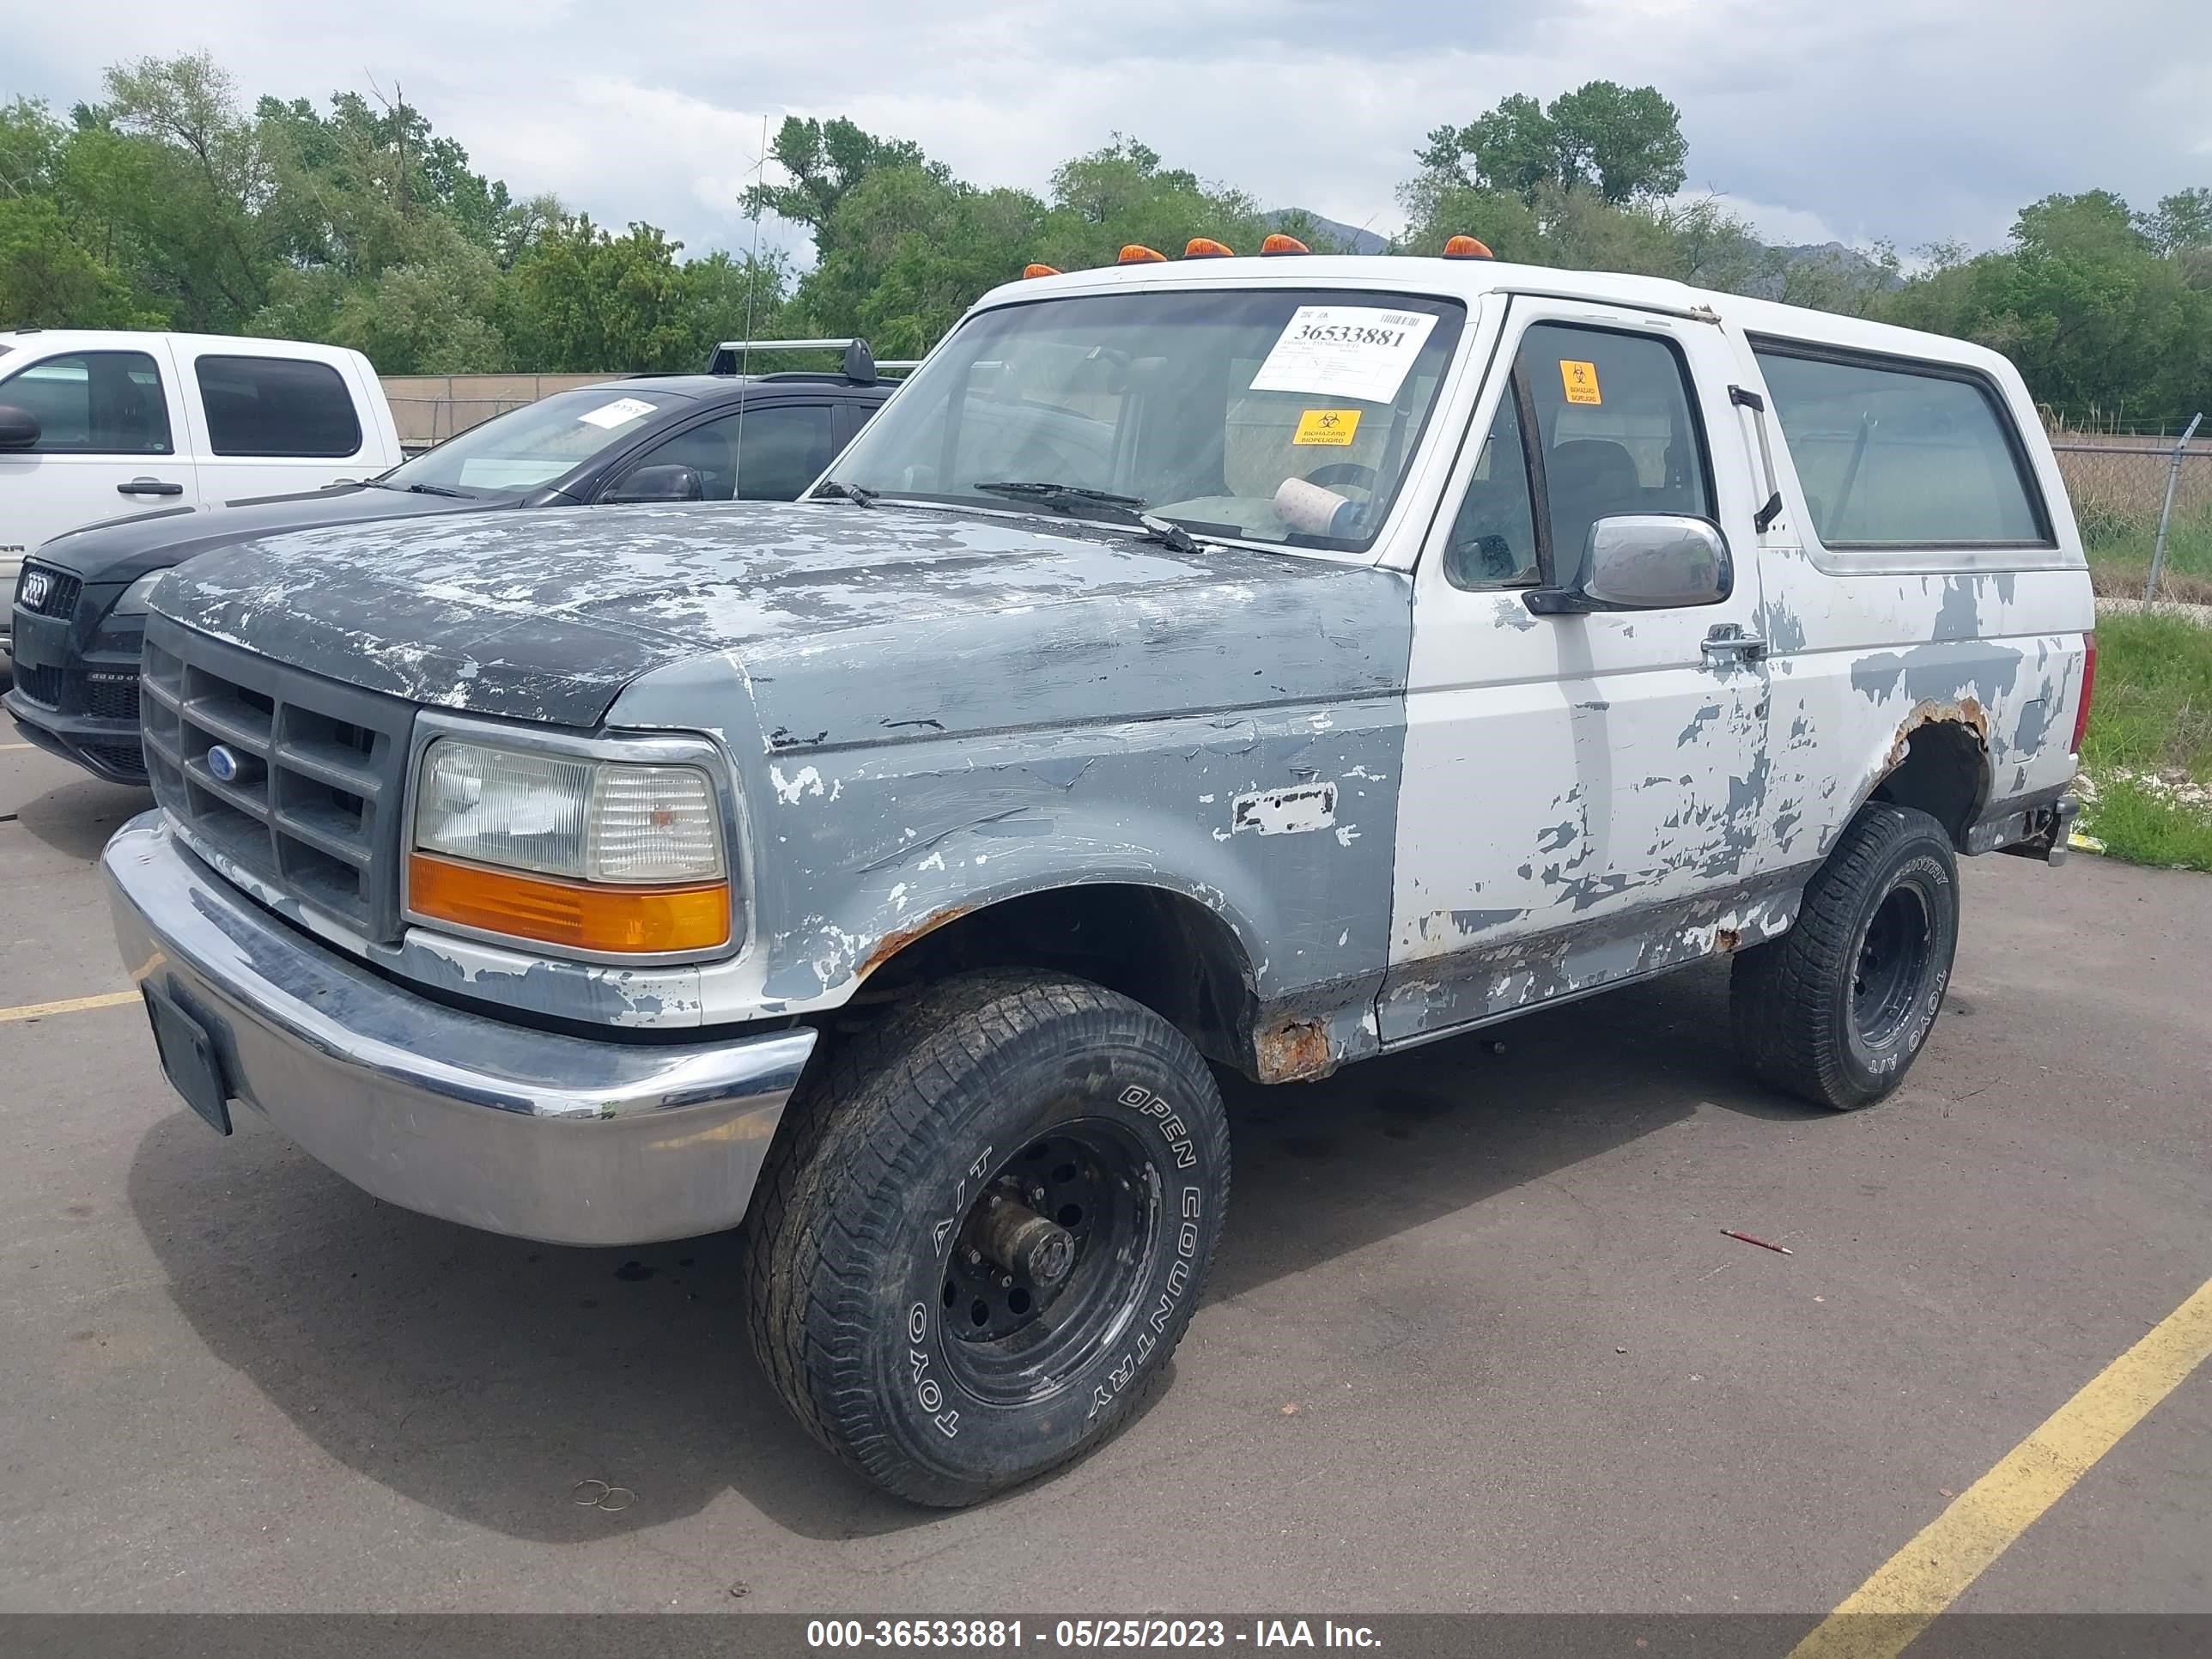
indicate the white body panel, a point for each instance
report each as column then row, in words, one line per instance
column 1562, row 771
column 176, row 460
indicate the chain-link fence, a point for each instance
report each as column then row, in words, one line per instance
column 2119, row 488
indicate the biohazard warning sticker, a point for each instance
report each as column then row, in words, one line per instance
column 1331, row 427
column 1580, row 381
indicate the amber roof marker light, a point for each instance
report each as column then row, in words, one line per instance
column 1278, row 243
column 1030, row 270
column 1466, row 248
column 1205, row 247
column 1136, row 254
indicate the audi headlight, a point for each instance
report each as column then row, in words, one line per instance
column 599, row 855
column 133, row 602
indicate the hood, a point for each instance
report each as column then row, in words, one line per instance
column 547, row 615
column 122, row 549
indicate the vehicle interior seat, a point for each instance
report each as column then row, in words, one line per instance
column 1585, row 479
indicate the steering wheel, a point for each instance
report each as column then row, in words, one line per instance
column 1344, row 472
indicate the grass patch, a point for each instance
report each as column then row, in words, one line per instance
column 2119, row 550
column 2150, row 741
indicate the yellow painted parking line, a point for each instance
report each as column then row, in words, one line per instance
column 14, row 746
column 1879, row 1619
column 67, row 1005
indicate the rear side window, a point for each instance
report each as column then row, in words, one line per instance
column 93, row 402
column 275, row 406
column 1900, row 455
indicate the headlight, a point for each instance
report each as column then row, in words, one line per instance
column 622, row 857
column 133, row 602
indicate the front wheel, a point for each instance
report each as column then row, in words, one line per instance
column 985, row 1230
column 1835, row 1011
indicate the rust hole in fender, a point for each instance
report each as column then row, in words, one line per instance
column 1967, row 711
column 1293, row 1051
column 1726, row 940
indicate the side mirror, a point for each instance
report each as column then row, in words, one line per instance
column 19, row 428
column 1644, row 562
column 658, row 484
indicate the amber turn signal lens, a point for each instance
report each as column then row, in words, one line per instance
column 581, row 915
column 1136, row 254
column 1205, row 247
column 1279, row 243
column 1040, row 270
column 1466, row 248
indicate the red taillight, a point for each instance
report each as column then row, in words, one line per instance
column 2089, row 683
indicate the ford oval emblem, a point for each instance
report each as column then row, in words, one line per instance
column 222, row 763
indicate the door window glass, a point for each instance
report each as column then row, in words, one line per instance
column 1494, row 536
column 1617, row 431
column 98, row 403
column 276, row 407
column 767, row 454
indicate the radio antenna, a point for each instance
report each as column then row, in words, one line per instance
column 745, row 347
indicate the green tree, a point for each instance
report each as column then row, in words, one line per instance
column 906, row 251
column 823, row 162
column 1624, row 143
column 1120, row 193
column 177, row 174
column 581, row 300
column 2182, row 223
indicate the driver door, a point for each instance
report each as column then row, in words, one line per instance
column 1579, row 787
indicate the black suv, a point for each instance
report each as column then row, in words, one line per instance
column 80, row 604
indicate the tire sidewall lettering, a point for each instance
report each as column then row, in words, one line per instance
column 1182, row 1230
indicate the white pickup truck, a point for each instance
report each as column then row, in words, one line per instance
column 99, row 422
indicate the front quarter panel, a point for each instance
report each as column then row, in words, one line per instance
column 1234, row 743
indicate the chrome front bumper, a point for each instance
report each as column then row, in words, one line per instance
column 562, row 1139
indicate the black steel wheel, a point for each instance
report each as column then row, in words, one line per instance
column 1891, row 970
column 1049, row 1260
column 984, row 1229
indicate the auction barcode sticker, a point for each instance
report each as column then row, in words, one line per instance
column 1345, row 351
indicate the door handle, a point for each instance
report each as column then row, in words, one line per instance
column 1728, row 643
column 148, row 487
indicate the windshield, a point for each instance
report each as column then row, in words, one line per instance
column 1267, row 415
column 535, row 444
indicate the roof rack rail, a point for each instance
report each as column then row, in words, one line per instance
column 858, row 368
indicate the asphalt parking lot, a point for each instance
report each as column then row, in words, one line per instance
column 1477, row 1341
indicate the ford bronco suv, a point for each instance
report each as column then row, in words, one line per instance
column 1261, row 663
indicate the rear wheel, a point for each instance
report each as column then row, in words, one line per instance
column 1836, row 1010
column 985, row 1230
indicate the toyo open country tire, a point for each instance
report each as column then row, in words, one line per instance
column 1835, row 1011
column 1081, row 1126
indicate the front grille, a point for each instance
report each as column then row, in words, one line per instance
column 313, row 808
column 111, row 699
column 56, row 590
column 39, row 684
column 122, row 758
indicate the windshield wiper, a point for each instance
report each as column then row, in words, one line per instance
column 1067, row 498
column 439, row 489
column 837, row 489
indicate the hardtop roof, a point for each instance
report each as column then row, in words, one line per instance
column 1470, row 280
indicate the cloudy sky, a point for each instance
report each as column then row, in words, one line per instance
column 1916, row 121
